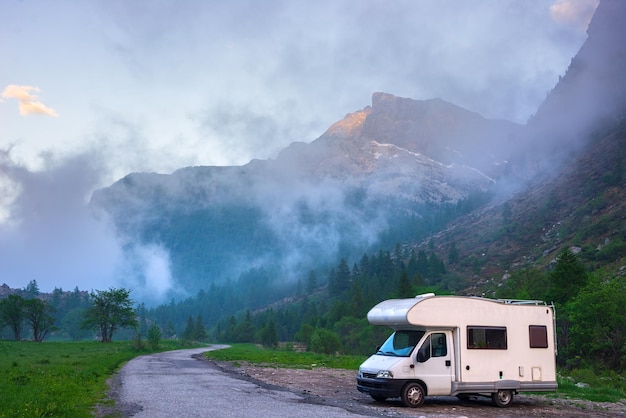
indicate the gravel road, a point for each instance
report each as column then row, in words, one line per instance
column 181, row 384
column 184, row 383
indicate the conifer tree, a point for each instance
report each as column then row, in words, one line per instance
column 422, row 264
column 311, row 283
column 189, row 331
column 269, row 335
column 199, row 331
column 453, row 254
column 405, row 289
column 568, row 276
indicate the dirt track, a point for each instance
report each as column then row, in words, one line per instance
column 338, row 387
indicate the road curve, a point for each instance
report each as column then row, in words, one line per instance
column 175, row 384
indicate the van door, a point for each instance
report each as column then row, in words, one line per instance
column 435, row 364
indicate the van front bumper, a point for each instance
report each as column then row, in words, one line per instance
column 376, row 387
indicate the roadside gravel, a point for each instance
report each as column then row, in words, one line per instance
column 338, row 387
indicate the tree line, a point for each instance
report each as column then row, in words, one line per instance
column 326, row 312
column 103, row 313
column 17, row 312
column 590, row 307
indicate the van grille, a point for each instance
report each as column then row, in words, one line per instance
column 369, row 375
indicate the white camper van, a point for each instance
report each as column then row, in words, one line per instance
column 456, row 345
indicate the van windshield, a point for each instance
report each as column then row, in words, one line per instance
column 400, row 343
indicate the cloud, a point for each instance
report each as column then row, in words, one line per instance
column 48, row 233
column 146, row 270
column 29, row 103
column 574, row 12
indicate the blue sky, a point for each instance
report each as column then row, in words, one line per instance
column 96, row 89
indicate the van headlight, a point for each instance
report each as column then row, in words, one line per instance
column 384, row 374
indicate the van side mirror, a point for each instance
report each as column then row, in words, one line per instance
column 421, row 355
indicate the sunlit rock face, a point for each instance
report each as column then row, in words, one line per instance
column 423, row 150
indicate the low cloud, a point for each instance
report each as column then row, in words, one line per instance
column 146, row 270
column 49, row 234
column 29, row 102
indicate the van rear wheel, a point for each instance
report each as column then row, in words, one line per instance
column 502, row 398
column 413, row 395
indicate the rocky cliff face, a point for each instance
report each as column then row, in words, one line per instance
column 429, row 150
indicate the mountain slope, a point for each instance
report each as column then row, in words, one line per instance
column 574, row 165
column 590, row 95
column 339, row 195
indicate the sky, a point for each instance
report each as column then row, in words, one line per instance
column 93, row 90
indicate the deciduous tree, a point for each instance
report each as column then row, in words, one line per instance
column 12, row 314
column 598, row 322
column 110, row 310
column 38, row 314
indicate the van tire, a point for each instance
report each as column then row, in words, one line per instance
column 379, row 398
column 413, row 395
column 502, row 398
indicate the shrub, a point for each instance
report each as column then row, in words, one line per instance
column 325, row 341
column 154, row 336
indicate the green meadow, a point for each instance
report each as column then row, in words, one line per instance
column 284, row 357
column 61, row 379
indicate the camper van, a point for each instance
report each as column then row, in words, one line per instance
column 461, row 346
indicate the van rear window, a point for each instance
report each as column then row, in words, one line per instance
column 486, row 338
column 538, row 336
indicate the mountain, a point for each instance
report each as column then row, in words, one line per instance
column 407, row 171
column 394, row 163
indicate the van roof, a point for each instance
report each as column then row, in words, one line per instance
column 440, row 310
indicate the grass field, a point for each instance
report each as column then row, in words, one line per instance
column 605, row 388
column 284, row 357
column 60, row 379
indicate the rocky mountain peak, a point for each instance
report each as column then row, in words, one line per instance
column 350, row 126
column 434, row 128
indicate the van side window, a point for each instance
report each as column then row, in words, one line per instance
column 434, row 346
column 438, row 344
column 487, row 338
column 538, row 336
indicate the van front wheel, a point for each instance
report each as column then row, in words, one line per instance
column 413, row 395
column 502, row 398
